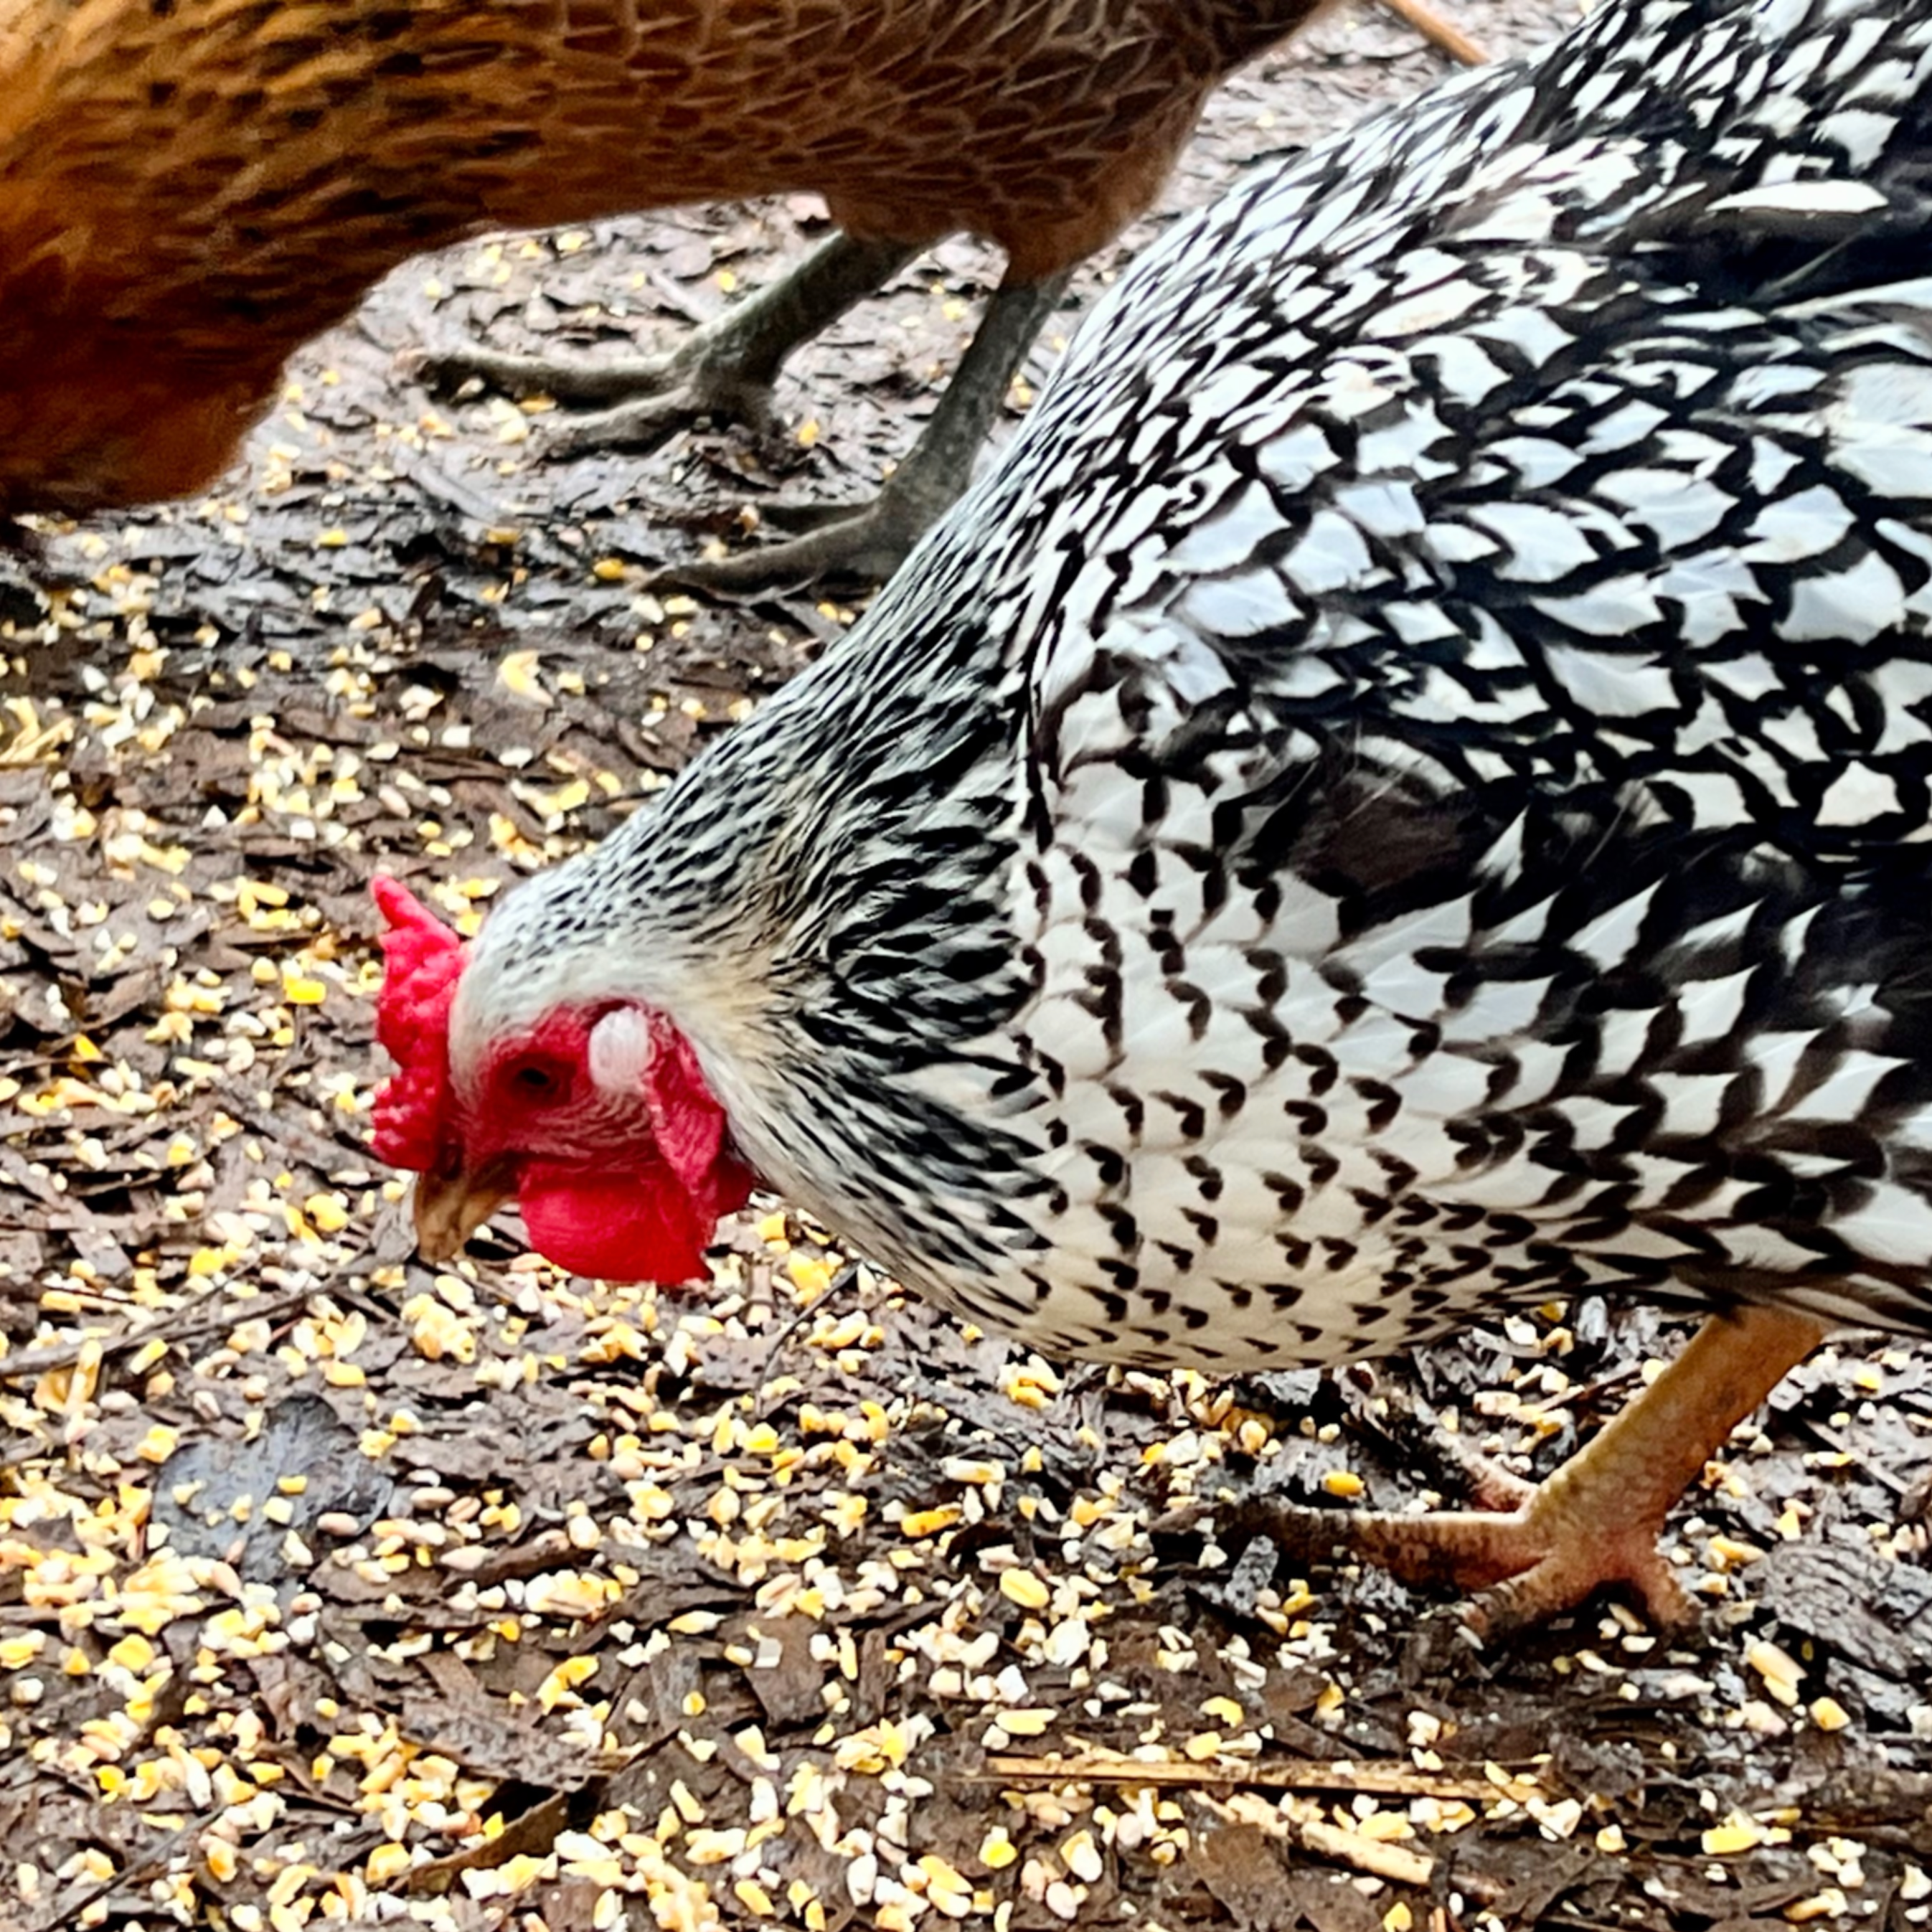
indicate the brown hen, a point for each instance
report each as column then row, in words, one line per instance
column 189, row 189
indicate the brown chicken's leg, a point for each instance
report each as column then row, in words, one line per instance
column 726, row 368
column 1443, row 35
column 873, row 541
column 1597, row 1519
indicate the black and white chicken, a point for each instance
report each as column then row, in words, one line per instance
column 1405, row 795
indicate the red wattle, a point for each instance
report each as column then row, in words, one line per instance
column 617, row 1227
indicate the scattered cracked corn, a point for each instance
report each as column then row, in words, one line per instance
column 570, row 1593
column 1032, row 1723
column 132, row 1652
column 385, row 1862
column 1738, row 1833
column 303, row 989
column 437, row 1332
column 1023, row 1587
column 1728, row 1553
column 997, row 1850
column 810, row 1278
column 1032, row 1384
column 945, row 1883
column 1781, row 1672
column 1081, row 1857
column 921, row 1523
column 1064, row 1900
column 17, row 1652
column 562, row 1681
column 1342, row 1483
column 327, row 1213
column 881, row 1746
column 1829, row 1715
column 518, row 672
column 1829, row 1903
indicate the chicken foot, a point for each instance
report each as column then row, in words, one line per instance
column 1597, row 1520
column 724, row 369
column 874, row 541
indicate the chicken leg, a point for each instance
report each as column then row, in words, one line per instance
column 874, row 541
column 727, row 369
column 1597, row 1520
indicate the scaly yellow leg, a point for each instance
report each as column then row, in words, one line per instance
column 1597, row 1519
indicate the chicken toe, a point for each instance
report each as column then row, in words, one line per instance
column 723, row 370
column 871, row 541
column 1597, row 1520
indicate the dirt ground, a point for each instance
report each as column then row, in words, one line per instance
column 335, row 1588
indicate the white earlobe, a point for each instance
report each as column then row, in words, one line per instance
column 620, row 1051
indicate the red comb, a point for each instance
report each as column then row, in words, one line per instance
column 422, row 961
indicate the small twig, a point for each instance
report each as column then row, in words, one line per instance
column 1393, row 1863
column 1819, row 1432
column 548, row 1550
column 845, row 1280
column 1100, row 1767
column 175, row 1327
column 1379, row 1859
column 1438, row 32
column 153, row 1863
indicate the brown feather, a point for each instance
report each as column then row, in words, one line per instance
column 189, row 189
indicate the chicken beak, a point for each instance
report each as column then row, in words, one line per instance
column 450, row 1206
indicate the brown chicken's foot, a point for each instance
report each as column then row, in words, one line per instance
column 866, row 546
column 1597, row 1520
column 723, row 370
column 872, row 542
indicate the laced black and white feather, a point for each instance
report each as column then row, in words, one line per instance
column 1407, row 789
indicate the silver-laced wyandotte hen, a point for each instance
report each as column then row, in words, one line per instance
column 189, row 191
column 1405, row 795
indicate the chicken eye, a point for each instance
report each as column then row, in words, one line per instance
column 533, row 1080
